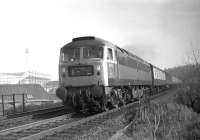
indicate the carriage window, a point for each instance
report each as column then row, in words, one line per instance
column 110, row 54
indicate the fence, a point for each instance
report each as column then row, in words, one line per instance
column 11, row 104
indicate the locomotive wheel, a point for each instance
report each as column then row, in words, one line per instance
column 129, row 95
column 121, row 97
column 126, row 95
column 78, row 106
column 102, row 102
column 121, row 103
column 128, row 98
column 113, row 100
column 93, row 105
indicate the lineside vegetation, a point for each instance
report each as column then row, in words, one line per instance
column 162, row 122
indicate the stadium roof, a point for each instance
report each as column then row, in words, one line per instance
column 52, row 83
column 14, row 74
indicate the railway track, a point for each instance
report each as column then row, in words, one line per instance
column 8, row 123
column 31, row 117
column 36, row 112
column 35, row 127
column 63, row 127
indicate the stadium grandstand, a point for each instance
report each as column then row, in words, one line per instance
column 28, row 77
column 32, row 92
column 30, row 83
column 35, row 86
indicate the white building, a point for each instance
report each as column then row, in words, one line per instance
column 28, row 77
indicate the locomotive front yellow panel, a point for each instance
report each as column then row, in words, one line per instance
column 81, row 65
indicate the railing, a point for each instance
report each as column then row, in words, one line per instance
column 8, row 104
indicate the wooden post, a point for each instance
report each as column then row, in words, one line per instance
column 2, row 101
column 23, row 103
column 139, row 107
column 13, row 103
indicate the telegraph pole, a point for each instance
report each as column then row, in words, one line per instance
column 27, row 63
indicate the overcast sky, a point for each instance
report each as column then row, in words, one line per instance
column 159, row 31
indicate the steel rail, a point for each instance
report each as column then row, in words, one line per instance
column 7, row 123
column 35, row 124
column 35, row 112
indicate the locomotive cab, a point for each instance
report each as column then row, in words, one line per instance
column 84, row 67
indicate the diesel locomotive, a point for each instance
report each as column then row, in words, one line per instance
column 97, row 75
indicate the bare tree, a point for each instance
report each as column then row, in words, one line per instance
column 195, row 56
column 153, row 117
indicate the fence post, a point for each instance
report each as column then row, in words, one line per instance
column 13, row 103
column 23, row 103
column 2, row 101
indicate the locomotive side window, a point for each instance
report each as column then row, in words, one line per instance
column 110, row 54
column 131, row 62
column 62, row 57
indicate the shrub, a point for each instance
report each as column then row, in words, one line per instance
column 191, row 130
column 189, row 95
column 169, row 121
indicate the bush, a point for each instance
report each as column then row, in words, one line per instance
column 189, row 95
column 191, row 131
column 169, row 121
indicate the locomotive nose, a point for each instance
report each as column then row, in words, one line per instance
column 61, row 93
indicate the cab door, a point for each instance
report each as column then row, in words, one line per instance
column 111, row 66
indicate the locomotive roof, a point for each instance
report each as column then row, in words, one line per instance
column 98, row 40
column 87, row 39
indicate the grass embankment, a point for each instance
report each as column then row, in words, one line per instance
column 176, row 120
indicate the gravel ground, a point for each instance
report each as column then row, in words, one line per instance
column 105, row 130
column 168, row 98
column 9, row 123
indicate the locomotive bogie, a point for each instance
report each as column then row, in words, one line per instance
column 118, row 96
